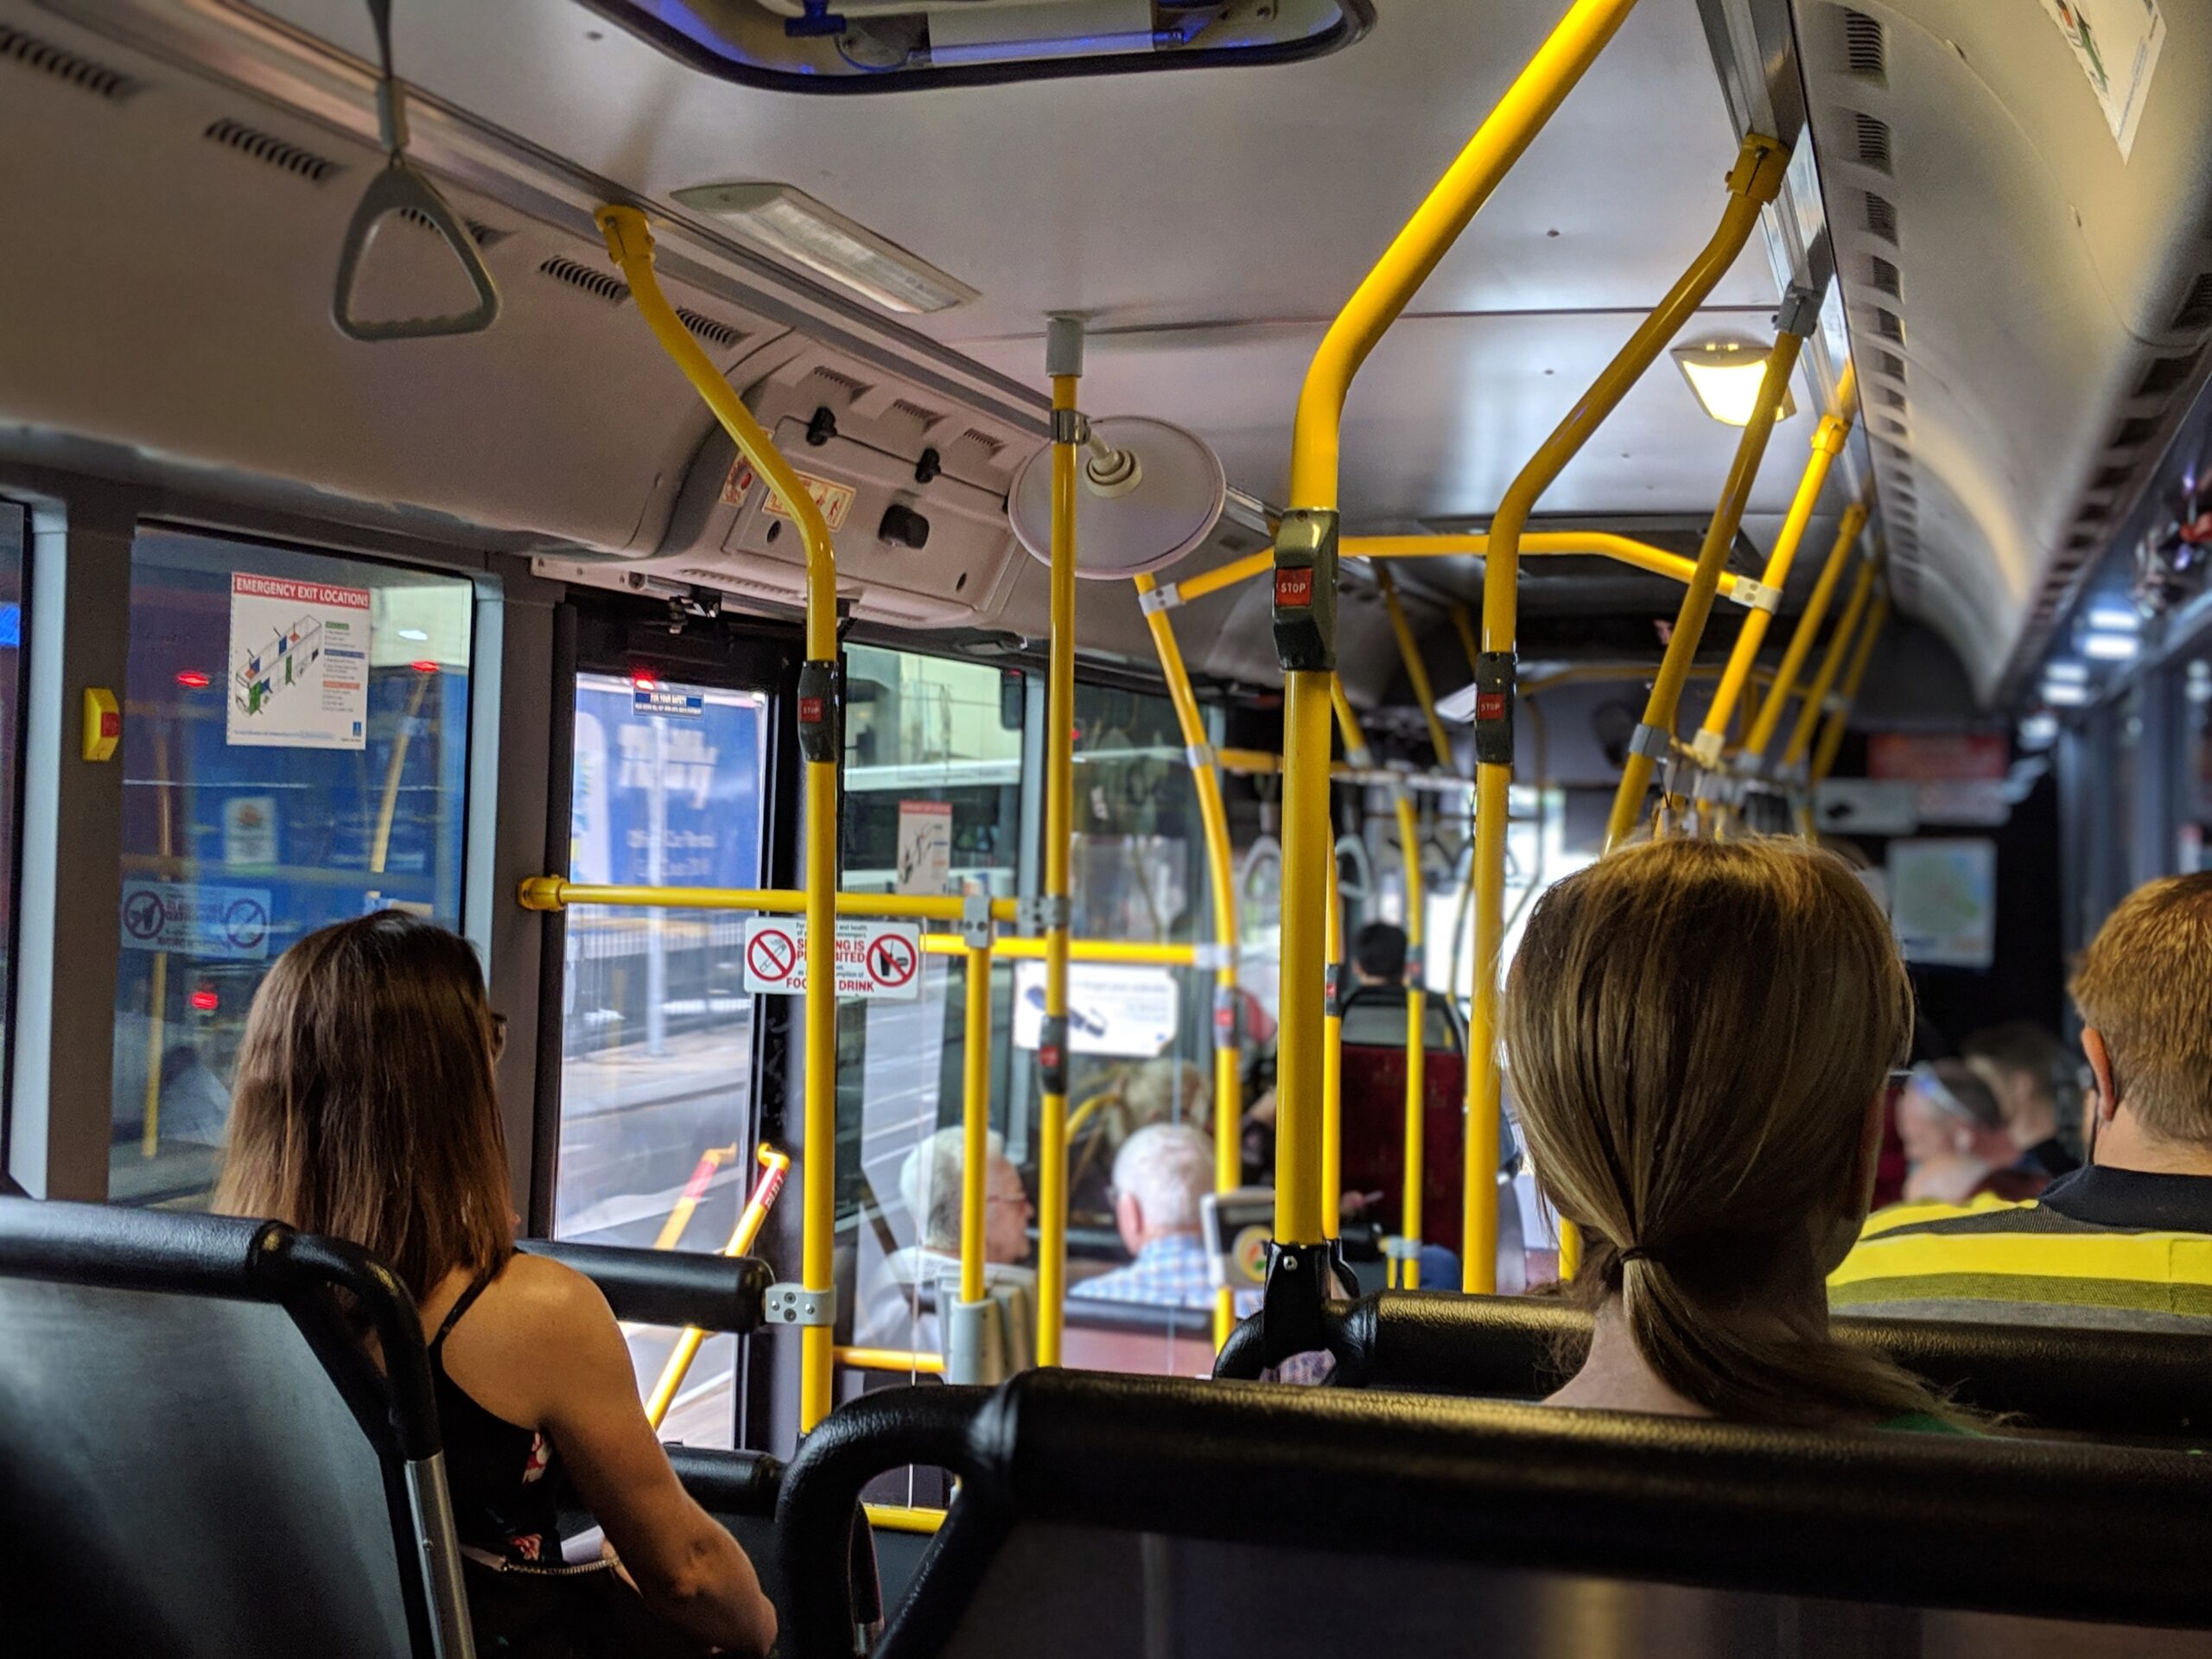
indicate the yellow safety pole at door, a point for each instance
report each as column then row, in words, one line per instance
column 630, row 243
column 1332, row 1061
column 775, row 1166
column 1407, row 1274
column 1827, row 443
column 1654, row 739
column 1213, row 823
column 1753, row 182
column 1855, row 675
column 1064, row 363
column 1306, row 575
column 1777, row 701
column 1839, row 642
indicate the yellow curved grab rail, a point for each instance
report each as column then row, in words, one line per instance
column 1754, row 181
column 1854, row 677
column 629, row 244
column 1777, row 701
column 1823, row 681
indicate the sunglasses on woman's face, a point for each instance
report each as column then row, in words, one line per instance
column 498, row 1037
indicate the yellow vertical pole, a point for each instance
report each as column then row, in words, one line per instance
column 1306, row 566
column 1063, row 354
column 974, row 1120
column 821, row 722
column 1332, row 1060
column 1839, row 642
column 1213, row 823
column 1827, row 443
column 1654, row 738
column 1776, row 700
column 1753, row 182
column 1863, row 653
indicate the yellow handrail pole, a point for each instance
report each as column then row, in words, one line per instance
column 1863, row 653
column 1406, row 1269
column 1416, row 669
column 1332, row 1061
column 890, row 1359
column 1654, row 738
column 1823, row 681
column 820, row 728
column 899, row 1517
column 775, row 1166
column 1213, row 822
column 1596, row 543
column 1753, row 182
column 974, row 1120
column 1064, row 355
column 1306, row 559
column 1775, row 703
column 1834, row 432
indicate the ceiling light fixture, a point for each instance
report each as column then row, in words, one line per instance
column 2115, row 619
column 2066, row 673
column 2062, row 695
column 2039, row 731
column 788, row 222
column 2109, row 647
column 1725, row 374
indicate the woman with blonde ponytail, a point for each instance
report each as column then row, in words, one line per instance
column 1698, row 1033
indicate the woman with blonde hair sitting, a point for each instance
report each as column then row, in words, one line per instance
column 1700, row 1033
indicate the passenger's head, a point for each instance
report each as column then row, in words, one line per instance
column 2144, row 987
column 930, row 1182
column 2021, row 1060
column 1160, row 1176
column 1700, row 1033
column 1165, row 1090
column 365, row 1106
column 1378, row 954
column 1949, row 1112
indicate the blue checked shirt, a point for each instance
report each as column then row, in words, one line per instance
column 1169, row 1272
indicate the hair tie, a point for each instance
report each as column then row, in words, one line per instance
column 1634, row 1253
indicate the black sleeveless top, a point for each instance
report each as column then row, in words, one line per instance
column 507, row 1486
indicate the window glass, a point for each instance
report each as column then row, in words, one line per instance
column 657, row 1050
column 12, row 540
column 294, row 751
column 2194, row 792
column 933, row 775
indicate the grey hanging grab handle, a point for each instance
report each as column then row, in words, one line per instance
column 400, row 186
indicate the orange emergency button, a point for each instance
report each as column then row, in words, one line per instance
column 102, row 723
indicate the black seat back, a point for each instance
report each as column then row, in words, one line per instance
column 2154, row 1385
column 196, row 1455
column 1136, row 1517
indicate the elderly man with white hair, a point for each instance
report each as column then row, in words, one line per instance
column 1160, row 1175
column 929, row 1188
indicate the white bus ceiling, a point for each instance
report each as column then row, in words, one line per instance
column 171, row 290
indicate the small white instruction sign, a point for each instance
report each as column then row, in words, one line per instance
column 2117, row 43
column 250, row 829
column 1128, row 1012
column 230, row 923
column 925, row 846
column 299, row 664
column 879, row 960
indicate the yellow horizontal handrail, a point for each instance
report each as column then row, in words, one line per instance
column 1261, row 762
column 1586, row 543
column 899, row 1517
column 890, row 1359
column 558, row 893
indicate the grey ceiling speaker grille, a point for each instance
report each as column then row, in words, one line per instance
column 1884, row 275
column 707, row 328
column 599, row 284
column 1881, row 217
column 478, row 233
column 272, row 151
column 2196, row 306
column 983, row 440
column 1874, row 137
column 1864, row 50
column 844, row 383
column 82, row 73
column 2166, row 374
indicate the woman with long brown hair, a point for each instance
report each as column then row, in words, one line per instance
column 1698, row 1034
column 365, row 1108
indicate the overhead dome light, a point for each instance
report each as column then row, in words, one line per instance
column 788, row 222
column 1725, row 374
column 1146, row 494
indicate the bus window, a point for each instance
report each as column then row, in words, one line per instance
column 2196, row 782
column 12, row 538
column 294, row 751
column 657, row 1058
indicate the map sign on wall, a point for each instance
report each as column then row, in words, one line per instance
column 1943, row 900
column 299, row 675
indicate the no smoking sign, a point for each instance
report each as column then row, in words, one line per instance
column 878, row 960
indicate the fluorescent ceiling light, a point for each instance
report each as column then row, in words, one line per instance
column 1725, row 375
column 2115, row 619
column 2039, row 731
column 2064, row 673
column 789, row 222
column 2062, row 695
column 2108, row 647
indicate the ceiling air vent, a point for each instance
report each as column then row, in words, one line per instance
column 844, row 383
column 1889, row 397
column 272, row 151
column 2134, row 431
column 1863, row 52
column 2166, row 374
column 2195, row 311
column 983, row 440
column 1873, row 141
column 482, row 234
column 1889, row 325
column 1884, row 275
column 714, row 333
column 82, row 73
column 2113, row 477
column 1890, row 363
column 1881, row 217
column 599, row 284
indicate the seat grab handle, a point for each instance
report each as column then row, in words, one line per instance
column 400, row 186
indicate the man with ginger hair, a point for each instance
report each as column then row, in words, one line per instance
column 2127, row 1241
